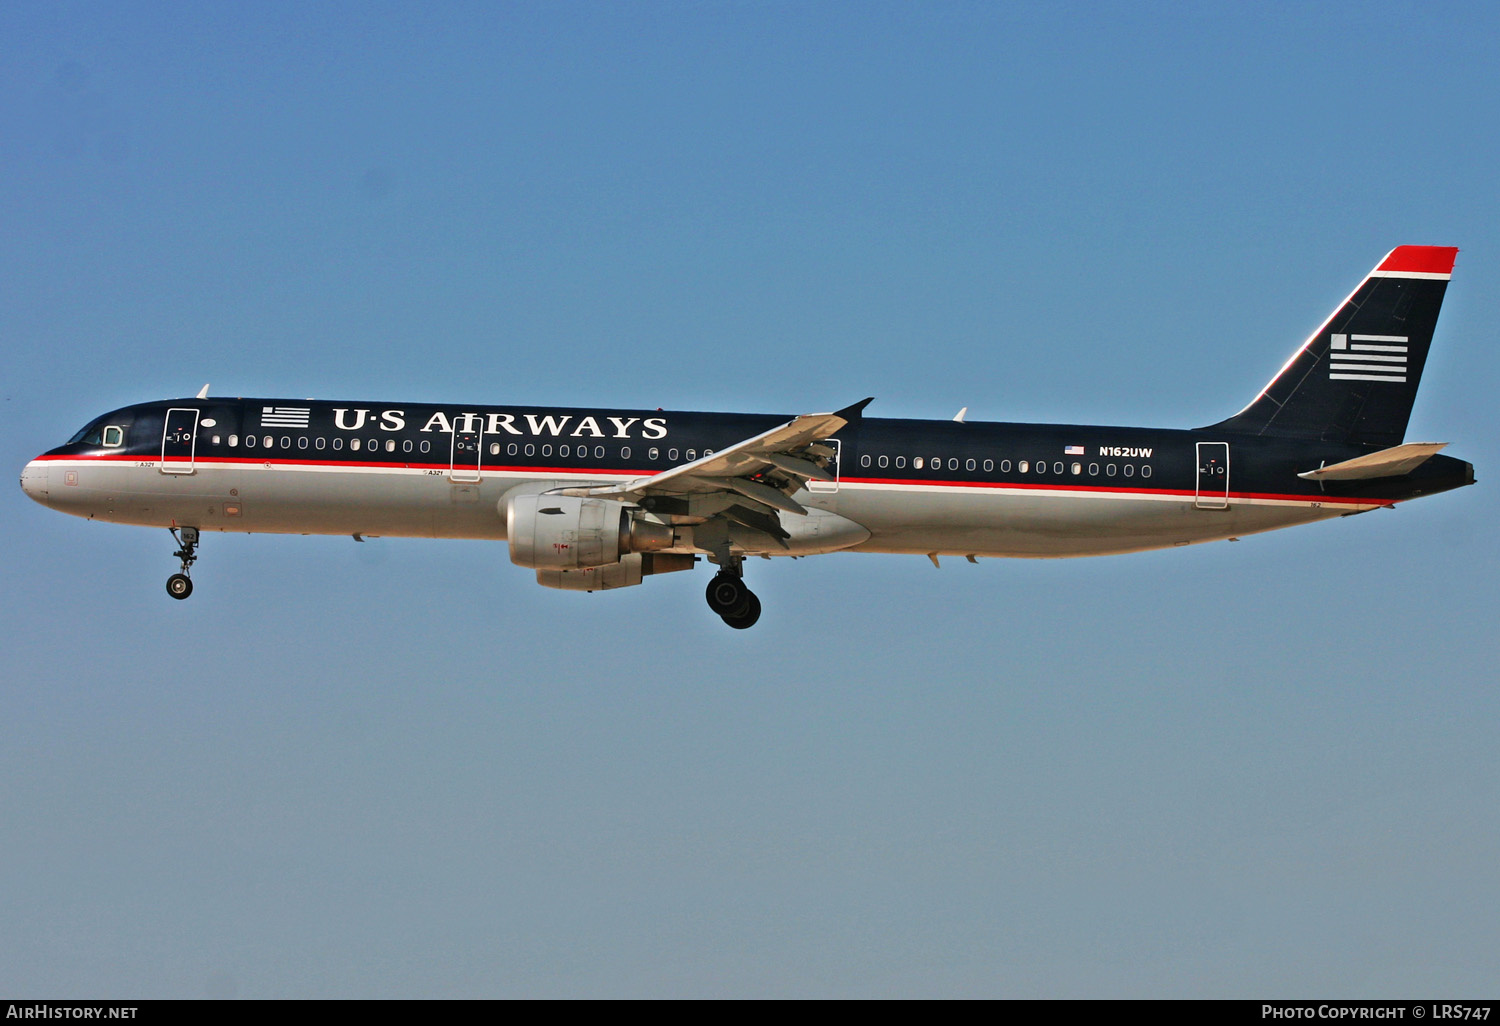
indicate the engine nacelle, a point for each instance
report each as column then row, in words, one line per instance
column 565, row 532
column 628, row 572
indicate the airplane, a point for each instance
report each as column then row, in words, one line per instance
column 599, row 499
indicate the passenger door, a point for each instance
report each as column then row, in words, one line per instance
column 179, row 441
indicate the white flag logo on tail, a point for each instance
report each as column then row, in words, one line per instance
column 284, row 416
column 1367, row 358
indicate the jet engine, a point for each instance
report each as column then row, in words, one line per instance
column 564, row 532
column 627, row 573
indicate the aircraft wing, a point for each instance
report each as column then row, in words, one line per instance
column 759, row 474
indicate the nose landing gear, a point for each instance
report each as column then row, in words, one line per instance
column 735, row 604
column 180, row 585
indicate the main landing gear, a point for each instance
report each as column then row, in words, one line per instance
column 180, row 585
column 735, row 603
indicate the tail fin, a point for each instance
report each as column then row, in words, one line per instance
column 1356, row 378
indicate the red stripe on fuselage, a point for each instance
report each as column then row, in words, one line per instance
column 586, row 472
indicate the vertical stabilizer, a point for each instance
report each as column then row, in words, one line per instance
column 1355, row 379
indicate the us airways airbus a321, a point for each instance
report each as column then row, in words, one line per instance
column 596, row 499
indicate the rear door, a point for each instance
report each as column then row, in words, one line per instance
column 1213, row 475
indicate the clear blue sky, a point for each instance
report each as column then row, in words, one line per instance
column 403, row 769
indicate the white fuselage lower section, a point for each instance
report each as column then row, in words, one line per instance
column 427, row 503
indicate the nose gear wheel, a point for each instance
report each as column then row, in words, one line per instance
column 180, row 585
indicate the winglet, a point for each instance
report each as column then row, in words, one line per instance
column 856, row 411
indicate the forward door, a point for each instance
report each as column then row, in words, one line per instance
column 179, row 442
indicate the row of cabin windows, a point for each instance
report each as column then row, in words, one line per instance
column 1022, row 466
column 582, row 451
column 303, row 442
column 564, row 451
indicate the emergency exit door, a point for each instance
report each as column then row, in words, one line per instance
column 467, row 450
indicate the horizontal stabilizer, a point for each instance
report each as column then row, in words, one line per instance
column 1392, row 462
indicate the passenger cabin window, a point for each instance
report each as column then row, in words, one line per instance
column 624, row 452
column 1023, row 466
column 916, row 463
column 234, row 440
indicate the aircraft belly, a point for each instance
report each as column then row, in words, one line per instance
column 996, row 522
column 263, row 499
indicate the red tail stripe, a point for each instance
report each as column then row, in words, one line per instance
column 1421, row 259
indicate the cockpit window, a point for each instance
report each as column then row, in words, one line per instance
column 90, row 433
column 108, row 430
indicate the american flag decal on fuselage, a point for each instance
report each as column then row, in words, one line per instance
column 284, row 416
column 1367, row 358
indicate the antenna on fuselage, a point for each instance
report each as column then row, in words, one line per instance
column 202, row 392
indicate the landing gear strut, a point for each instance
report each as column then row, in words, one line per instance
column 180, row 585
column 735, row 604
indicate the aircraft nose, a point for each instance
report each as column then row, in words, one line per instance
column 34, row 481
